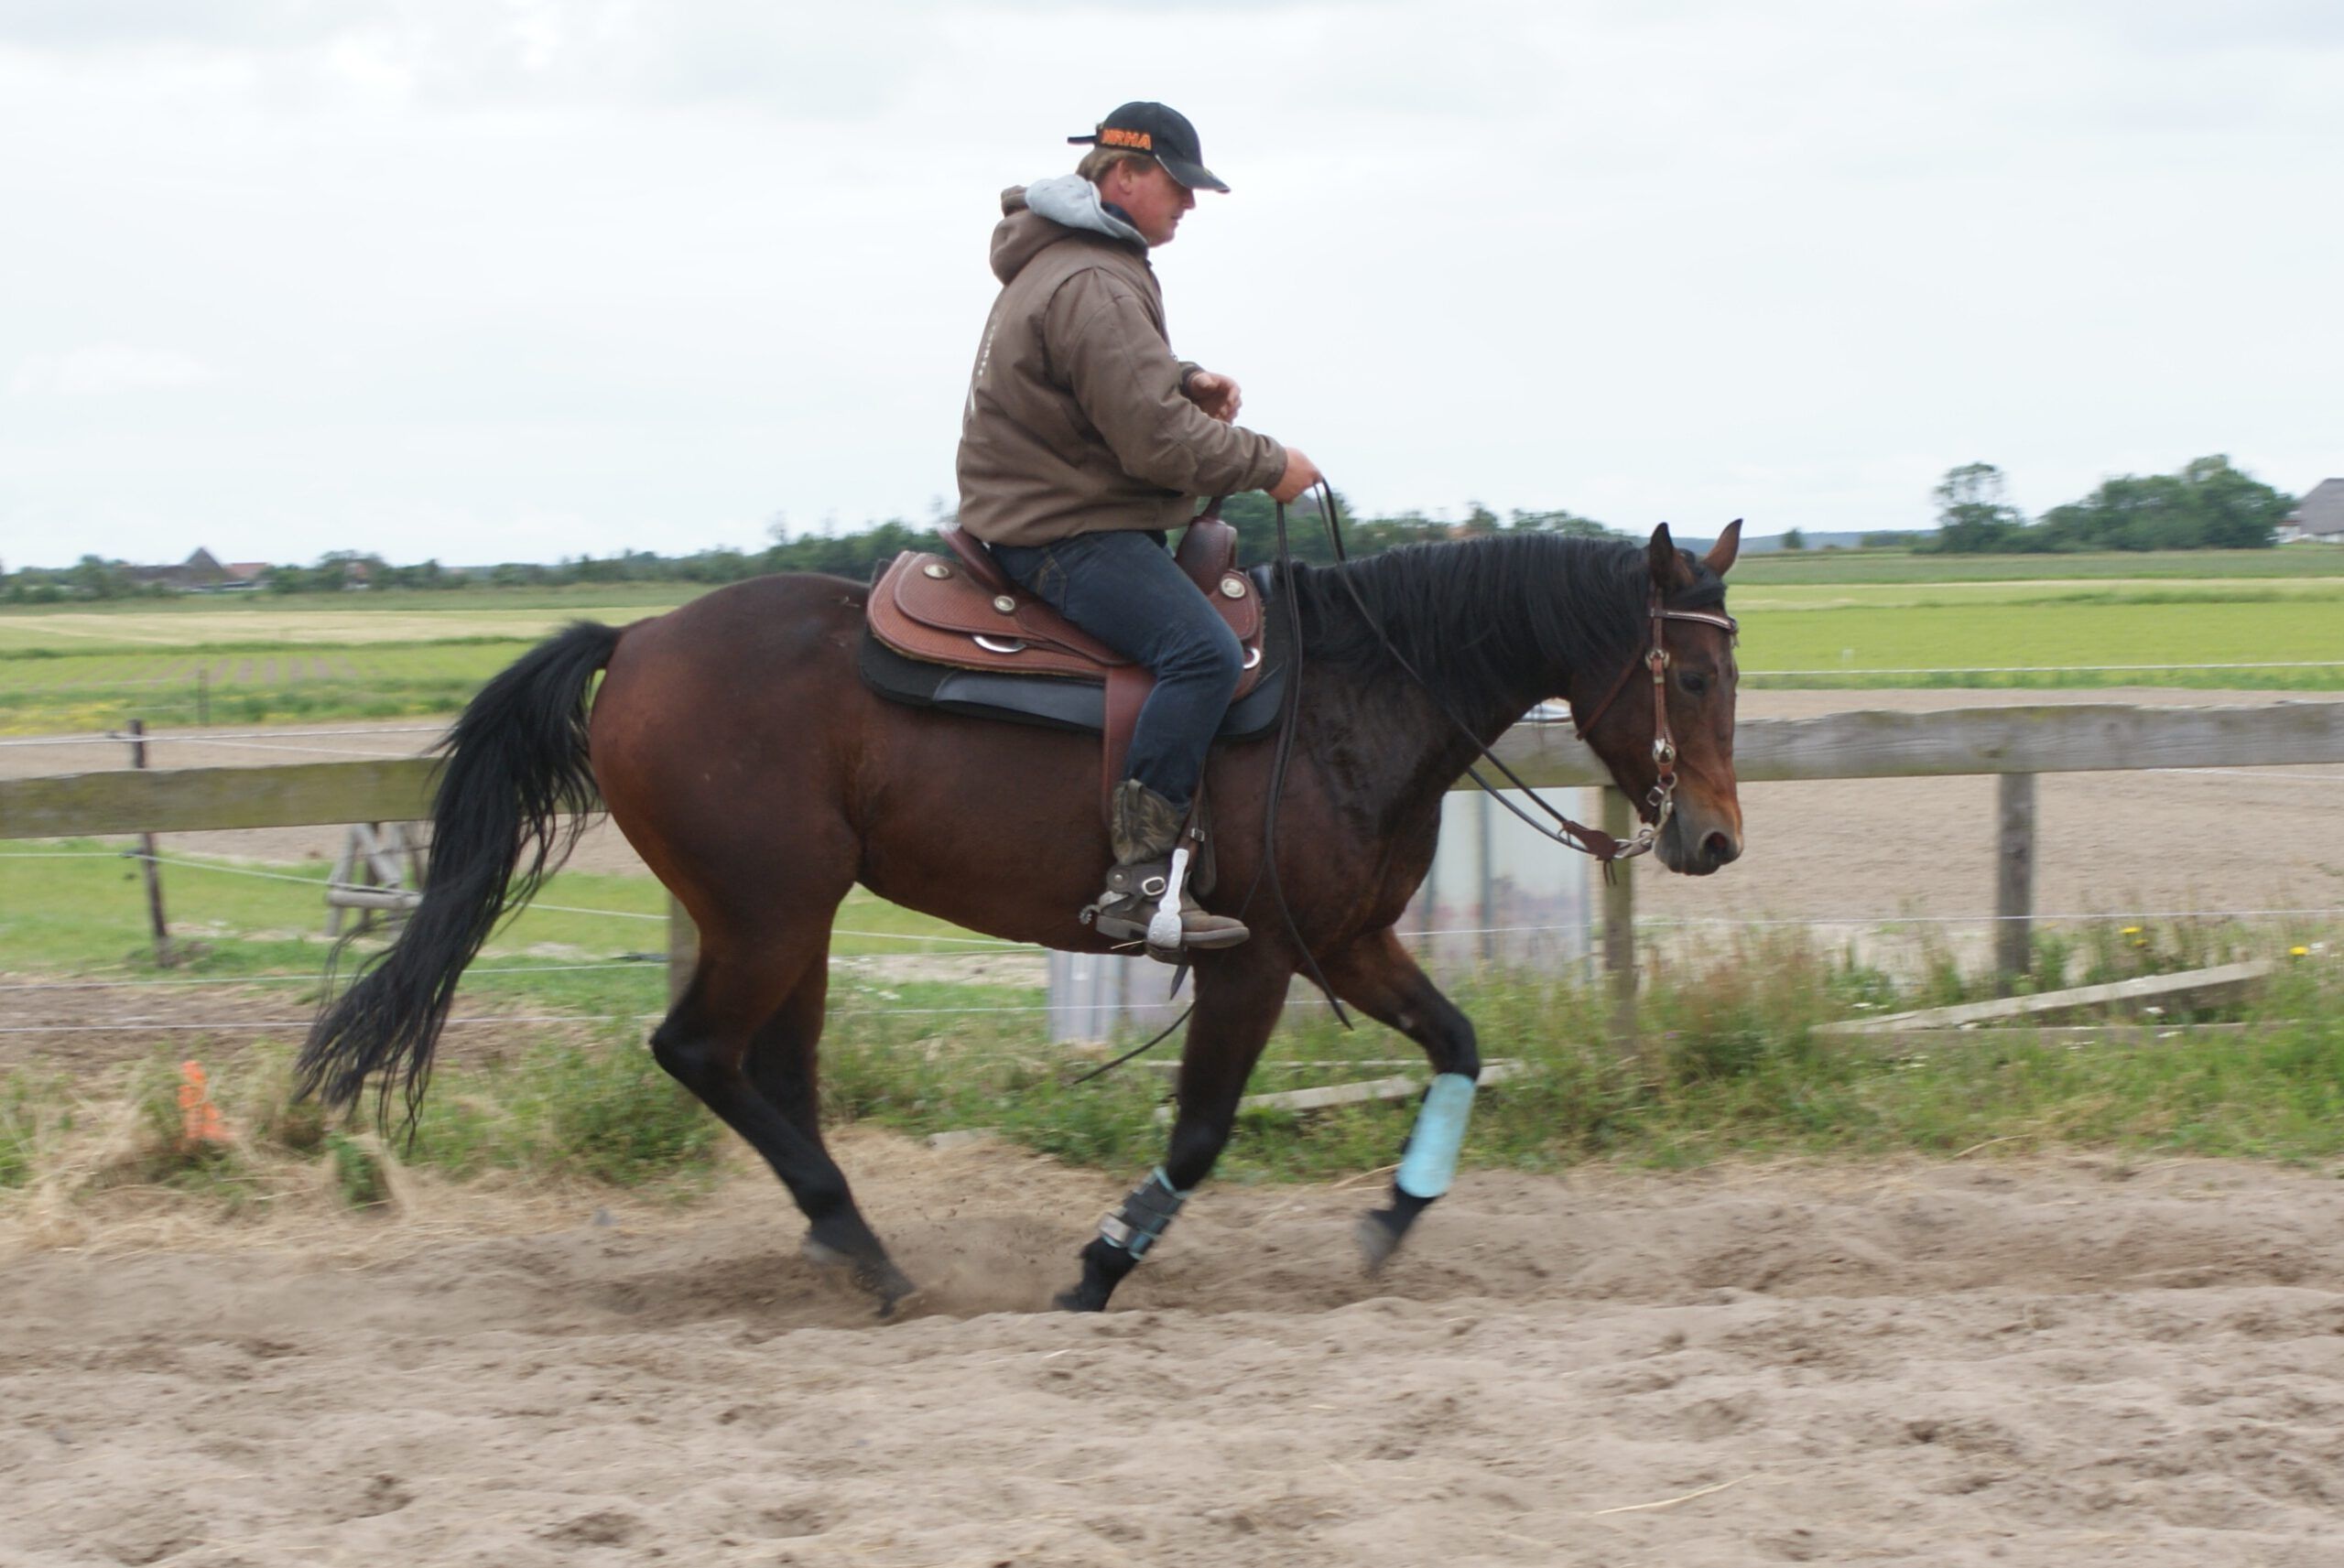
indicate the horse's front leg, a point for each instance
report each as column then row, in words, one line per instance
column 1377, row 976
column 1239, row 998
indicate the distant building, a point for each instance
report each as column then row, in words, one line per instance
column 200, row 571
column 2320, row 516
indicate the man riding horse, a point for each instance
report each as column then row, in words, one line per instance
column 1083, row 440
column 742, row 747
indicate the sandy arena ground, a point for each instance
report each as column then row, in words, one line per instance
column 1978, row 1361
column 2046, row 1362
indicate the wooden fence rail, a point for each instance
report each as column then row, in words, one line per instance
column 2016, row 742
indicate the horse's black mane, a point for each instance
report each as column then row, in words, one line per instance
column 1488, row 617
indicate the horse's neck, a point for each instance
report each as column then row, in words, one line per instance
column 1384, row 740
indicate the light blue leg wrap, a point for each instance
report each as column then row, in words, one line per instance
column 1439, row 1133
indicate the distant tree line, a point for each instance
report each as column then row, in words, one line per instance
column 857, row 555
column 2208, row 505
column 89, row 578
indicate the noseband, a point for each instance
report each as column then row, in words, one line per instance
column 1662, row 796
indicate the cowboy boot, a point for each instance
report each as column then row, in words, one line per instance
column 1143, row 828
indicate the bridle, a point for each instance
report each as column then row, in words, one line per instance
column 1594, row 841
column 1662, row 796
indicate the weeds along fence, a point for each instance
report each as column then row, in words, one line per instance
column 2013, row 744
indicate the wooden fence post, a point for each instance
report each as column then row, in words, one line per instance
column 2013, row 880
column 1620, row 921
column 683, row 950
column 148, row 863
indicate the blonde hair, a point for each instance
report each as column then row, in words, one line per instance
column 1099, row 160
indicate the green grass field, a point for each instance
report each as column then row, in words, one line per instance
column 78, row 906
column 243, row 684
column 2068, row 641
column 1853, row 620
column 1897, row 566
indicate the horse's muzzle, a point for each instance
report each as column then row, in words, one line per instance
column 1696, row 847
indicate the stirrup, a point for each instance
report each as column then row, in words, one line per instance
column 1149, row 903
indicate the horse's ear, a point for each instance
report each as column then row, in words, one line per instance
column 1721, row 556
column 1670, row 571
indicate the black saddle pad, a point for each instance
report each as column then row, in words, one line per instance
column 1055, row 702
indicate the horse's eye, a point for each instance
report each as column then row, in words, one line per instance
column 1693, row 685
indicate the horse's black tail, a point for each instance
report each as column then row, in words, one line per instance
column 516, row 765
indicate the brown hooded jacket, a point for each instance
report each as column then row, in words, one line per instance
column 1075, row 421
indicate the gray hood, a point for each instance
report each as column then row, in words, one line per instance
column 1037, row 216
column 1073, row 201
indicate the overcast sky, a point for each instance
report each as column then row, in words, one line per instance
column 495, row 279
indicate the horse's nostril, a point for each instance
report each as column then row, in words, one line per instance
column 1720, row 848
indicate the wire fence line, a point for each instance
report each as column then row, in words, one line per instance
column 2070, row 919
column 994, row 943
column 206, row 737
column 242, row 1025
column 303, row 751
column 321, row 884
column 2254, row 774
column 239, row 745
column 2046, row 669
column 1001, row 944
column 648, row 963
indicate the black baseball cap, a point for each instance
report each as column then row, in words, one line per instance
column 1164, row 133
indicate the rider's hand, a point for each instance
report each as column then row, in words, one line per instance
column 1300, row 474
column 1217, row 394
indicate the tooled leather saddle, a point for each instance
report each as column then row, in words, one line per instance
column 951, row 629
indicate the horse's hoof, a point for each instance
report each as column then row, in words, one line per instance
column 1076, row 1300
column 898, row 1296
column 1379, row 1237
column 899, row 1301
column 823, row 1256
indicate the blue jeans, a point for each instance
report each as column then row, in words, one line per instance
column 1123, row 588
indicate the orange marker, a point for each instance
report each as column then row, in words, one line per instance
column 199, row 1120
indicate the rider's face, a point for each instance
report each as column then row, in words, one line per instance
column 1155, row 201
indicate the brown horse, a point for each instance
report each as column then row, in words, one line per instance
column 758, row 776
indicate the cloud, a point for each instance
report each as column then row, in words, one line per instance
column 102, row 369
column 787, row 61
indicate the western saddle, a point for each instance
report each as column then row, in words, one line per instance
column 959, row 608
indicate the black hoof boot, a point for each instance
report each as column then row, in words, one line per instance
column 1104, row 1264
column 1381, row 1230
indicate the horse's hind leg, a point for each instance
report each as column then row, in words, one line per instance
column 772, row 995
column 1377, row 976
column 1239, row 998
column 785, row 1049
